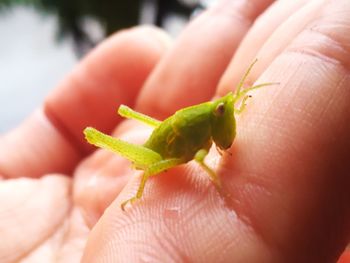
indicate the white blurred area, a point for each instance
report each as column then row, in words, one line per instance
column 32, row 62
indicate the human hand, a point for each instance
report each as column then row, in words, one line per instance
column 287, row 176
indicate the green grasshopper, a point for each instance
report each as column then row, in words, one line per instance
column 182, row 137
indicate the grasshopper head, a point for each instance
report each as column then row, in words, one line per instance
column 223, row 121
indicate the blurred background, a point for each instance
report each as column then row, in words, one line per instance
column 42, row 40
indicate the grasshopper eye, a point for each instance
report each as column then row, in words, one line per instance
column 220, row 109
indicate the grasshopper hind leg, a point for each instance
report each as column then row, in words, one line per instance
column 127, row 112
column 151, row 170
column 141, row 157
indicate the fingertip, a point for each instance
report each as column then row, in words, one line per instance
column 158, row 34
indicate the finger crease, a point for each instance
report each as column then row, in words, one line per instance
column 63, row 130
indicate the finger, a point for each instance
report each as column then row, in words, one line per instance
column 189, row 73
column 267, row 39
column 74, row 238
column 345, row 257
column 289, row 181
column 111, row 75
column 30, row 212
column 52, row 139
column 65, row 244
column 179, row 217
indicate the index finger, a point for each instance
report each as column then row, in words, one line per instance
column 51, row 140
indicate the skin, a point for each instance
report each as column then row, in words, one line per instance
column 288, row 176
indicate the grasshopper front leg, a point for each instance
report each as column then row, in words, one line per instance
column 199, row 157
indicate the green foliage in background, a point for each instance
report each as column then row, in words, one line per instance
column 113, row 15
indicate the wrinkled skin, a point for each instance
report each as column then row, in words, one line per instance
column 287, row 177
